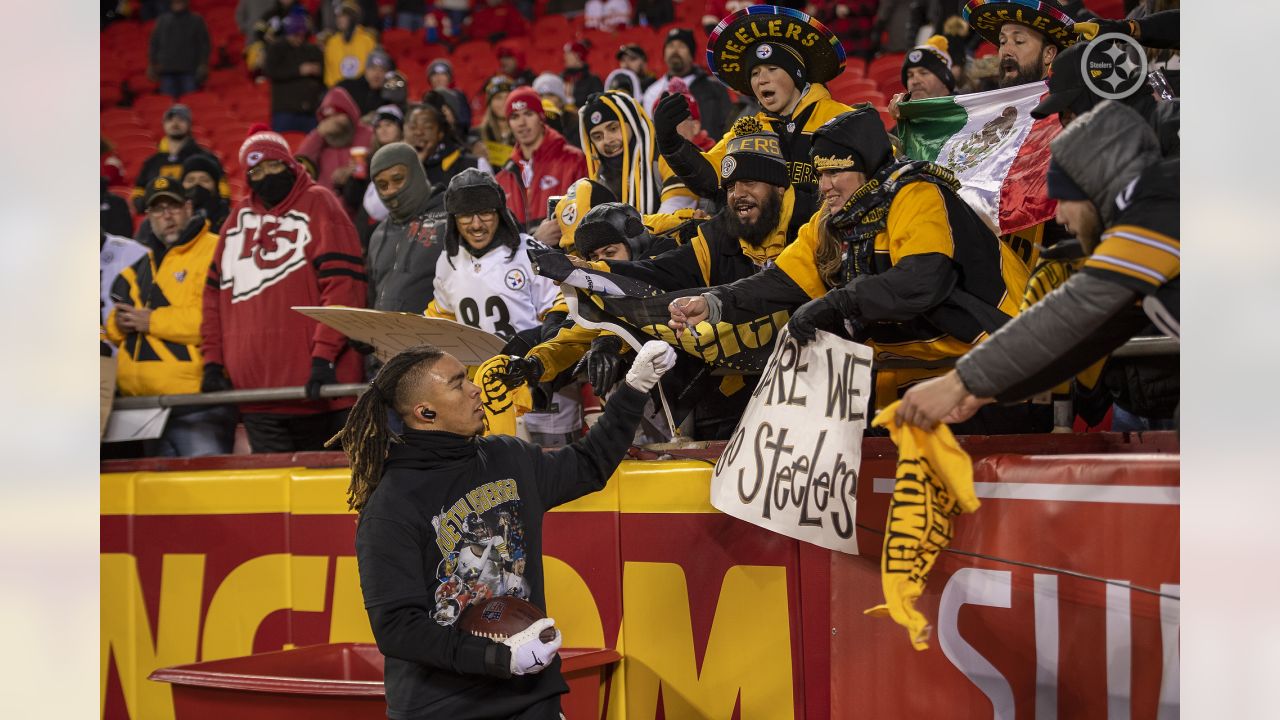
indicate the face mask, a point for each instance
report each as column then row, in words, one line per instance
column 272, row 189
column 202, row 199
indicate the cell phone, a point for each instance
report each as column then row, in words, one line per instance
column 552, row 202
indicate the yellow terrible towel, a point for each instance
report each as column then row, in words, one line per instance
column 934, row 483
column 502, row 404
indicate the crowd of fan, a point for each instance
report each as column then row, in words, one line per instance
column 434, row 205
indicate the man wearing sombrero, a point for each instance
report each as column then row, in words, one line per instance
column 1029, row 33
column 781, row 57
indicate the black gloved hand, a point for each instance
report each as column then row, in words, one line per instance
column 215, row 378
column 361, row 347
column 817, row 314
column 521, row 370
column 322, row 373
column 552, row 323
column 1124, row 27
column 603, row 363
column 670, row 111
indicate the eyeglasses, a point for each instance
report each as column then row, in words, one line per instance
column 257, row 171
column 484, row 215
column 165, row 209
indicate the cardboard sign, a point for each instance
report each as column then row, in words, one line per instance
column 391, row 332
column 792, row 463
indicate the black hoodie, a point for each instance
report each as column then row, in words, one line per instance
column 456, row 518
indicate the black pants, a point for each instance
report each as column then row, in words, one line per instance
column 548, row 709
column 279, row 433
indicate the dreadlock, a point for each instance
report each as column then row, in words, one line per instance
column 365, row 437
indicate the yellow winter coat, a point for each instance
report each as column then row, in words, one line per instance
column 165, row 360
column 344, row 59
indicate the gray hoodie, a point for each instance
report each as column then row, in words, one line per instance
column 1103, row 151
column 404, row 248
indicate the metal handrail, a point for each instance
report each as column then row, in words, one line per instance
column 1136, row 347
column 231, row 397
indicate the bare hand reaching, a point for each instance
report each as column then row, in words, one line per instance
column 944, row 399
column 687, row 312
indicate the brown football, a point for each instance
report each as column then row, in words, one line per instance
column 499, row 618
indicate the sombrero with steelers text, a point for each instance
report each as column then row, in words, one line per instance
column 768, row 29
column 986, row 17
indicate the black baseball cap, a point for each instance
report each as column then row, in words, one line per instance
column 163, row 187
column 631, row 49
column 1067, row 89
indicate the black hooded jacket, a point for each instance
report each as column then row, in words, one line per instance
column 454, row 518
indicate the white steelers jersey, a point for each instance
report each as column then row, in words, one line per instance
column 496, row 292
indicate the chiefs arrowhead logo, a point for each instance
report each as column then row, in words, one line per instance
column 262, row 250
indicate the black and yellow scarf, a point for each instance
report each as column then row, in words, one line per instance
column 866, row 214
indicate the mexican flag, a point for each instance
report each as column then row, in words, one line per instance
column 996, row 149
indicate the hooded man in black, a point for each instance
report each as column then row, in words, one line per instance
column 448, row 517
column 202, row 180
column 405, row 247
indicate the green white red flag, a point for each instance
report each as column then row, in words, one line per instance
column 997, row 150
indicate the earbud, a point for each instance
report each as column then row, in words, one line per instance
column 427, row 414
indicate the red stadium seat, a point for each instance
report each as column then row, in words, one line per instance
column 689, row 14
column 854, row 68
column 892, row 60
column 886, row 119
column 134, row 135
column 553, row 25
column 847, row 82
column 892, row 89
column 474, row 52
column 875, row 98
column 886, row 76
column 396, row 41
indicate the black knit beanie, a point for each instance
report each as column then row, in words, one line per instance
column 755, row 156
column 596, row 112
column 931, row 56
column 780, row 54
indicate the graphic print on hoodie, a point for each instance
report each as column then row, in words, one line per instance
column 481, row 540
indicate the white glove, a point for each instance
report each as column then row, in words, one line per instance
column 529, row 654
column 654, row 359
